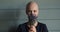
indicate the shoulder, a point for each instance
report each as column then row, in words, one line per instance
column 42, row 24
column 22, row 25
column 44, row 27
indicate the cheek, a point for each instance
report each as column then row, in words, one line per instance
column 36, row 13
column 28, row 13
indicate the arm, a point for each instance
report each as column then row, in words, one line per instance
column 19, row 29
column 44, row 28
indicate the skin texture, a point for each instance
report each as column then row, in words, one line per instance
column 32, row 8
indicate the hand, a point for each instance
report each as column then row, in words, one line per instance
column 32, row 29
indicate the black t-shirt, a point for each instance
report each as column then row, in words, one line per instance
column 40, row 27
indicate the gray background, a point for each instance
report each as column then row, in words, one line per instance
column 12, row 13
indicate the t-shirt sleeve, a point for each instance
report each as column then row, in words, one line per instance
column 44, row 29
column 19, row 29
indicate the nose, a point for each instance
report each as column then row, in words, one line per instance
column 32, row 12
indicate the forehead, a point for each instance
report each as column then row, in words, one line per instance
column 33, row 7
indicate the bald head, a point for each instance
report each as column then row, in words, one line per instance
column 33, row 7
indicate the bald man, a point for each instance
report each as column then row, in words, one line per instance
column 32, row 25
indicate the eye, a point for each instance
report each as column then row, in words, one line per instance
column 34, row 10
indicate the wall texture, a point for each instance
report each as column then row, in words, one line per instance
column 12, row 13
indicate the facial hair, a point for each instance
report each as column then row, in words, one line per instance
column 32, row 19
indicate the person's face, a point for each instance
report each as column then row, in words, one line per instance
column 32, row 9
